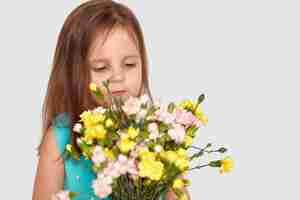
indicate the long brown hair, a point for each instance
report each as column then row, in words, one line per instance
column 68, row 86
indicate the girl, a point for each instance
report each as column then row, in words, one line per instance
column 100, row 40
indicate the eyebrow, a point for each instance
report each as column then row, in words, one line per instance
column 97, row 60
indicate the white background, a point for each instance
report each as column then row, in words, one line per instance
column 244, row 55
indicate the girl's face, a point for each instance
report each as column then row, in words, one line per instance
column 119, row 61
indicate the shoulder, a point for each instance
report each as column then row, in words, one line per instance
column 50, row 169
column 62, row 120
column 56, row 137
column 49, row 147
column 61, row 131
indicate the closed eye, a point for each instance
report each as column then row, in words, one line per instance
column 99, row 69
column 131, row 64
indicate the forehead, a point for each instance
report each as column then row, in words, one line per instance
column 117, row 43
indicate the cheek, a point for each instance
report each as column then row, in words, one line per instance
column 134, row 80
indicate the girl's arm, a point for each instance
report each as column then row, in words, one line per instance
column 49, row 177
column 170, row 195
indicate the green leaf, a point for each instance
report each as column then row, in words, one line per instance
column 73, row 194
column 197, row 155
column 163, row 127
column 171, row 107
column 215, row 163
column 222, row 150
column 98, row 93
column 201, row 98
column 191, row 131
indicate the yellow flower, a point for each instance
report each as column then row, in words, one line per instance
column 109, row 153
column 85, row 115
column 87, row 139
column 181, row 152
column 188, row 140
column 147, row 155
column 132, row 132
column 98, row 117
column 95, row 132
column 100, row 131
column 188, row 103
column 227, row 165
column 126, row 145
column 90, row 134
column 90, row 119
column 69, row 147
column 182, row 163
column 142, row 150
column 170, row 156
column 124, row 136
column 109, row 122
column 151, row 169
column 178, row 183
column 93, row 87
column 200, row 115
column 183, row 196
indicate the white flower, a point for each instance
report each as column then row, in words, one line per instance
column 152, row 127
column 144, row 99
column 132, row 105
column 61, row 195
column 107, row 180
column 98, row 156
column 79, row 141
column 158, row 148
column 77, row 127
column 102, row 185
column 153, row 135
column 141, row 114
column 99, row 109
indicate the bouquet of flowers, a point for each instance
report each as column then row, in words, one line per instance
column 140, row 149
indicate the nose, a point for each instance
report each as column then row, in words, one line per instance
column 117, row 75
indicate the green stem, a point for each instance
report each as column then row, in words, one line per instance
column 198, row 167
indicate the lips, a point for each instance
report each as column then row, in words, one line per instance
column 118, row 92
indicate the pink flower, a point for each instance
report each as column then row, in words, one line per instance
column 98, row 155
column 133, row 153
column 132, row 167
column 186, row 118
column 177, row 133
column 152, row 127
column 164, row 115
column 121, row 167
column 121, row 164
column 111, row 170
column 102, row 185
column 126, row 165
column 132, row 105
column 61, row 195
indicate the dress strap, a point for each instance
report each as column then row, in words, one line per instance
column 62, row 131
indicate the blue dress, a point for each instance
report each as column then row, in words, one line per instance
column 78, row 173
